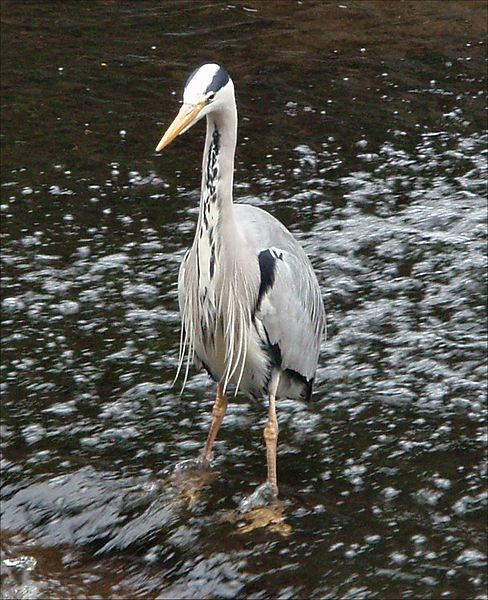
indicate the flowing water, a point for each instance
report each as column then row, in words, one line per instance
column 363, row 128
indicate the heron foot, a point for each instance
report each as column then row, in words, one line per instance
column 269, row 517
column 264, row 495
column 189, row 464
column 185, row 481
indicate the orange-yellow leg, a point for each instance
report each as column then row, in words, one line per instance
column 271, row 439
column 268, row 491
column 218, row 414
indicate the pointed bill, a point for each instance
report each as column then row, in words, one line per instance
column 185, row 118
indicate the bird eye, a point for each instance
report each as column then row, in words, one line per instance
column 210, row 96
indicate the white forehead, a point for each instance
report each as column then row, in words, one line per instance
column 199, row 82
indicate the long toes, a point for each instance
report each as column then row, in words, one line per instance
column 263, row 495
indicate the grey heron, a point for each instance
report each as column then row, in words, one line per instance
column 251, row 308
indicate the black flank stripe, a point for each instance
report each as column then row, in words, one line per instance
column 308, row 383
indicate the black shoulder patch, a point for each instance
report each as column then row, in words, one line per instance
column 220, row 78
column 267, row 268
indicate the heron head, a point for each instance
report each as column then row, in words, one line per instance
column 207, row 89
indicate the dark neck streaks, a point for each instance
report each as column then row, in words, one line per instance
column 216, row 207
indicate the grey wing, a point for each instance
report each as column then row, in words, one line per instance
column 290, row 305
column 290, row 308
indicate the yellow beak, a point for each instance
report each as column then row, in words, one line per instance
column 185, row 118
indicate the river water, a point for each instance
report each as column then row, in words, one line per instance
column 362, row 128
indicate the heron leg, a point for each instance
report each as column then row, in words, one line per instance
column 271, row 436
column 267, row 493
column 218, row 414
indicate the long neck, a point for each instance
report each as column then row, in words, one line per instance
column 216, row 219
column 218, row 159
column 224, row 277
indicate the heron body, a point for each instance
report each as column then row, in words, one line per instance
column 250, row 302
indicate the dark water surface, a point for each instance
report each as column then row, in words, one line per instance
column 362, row 127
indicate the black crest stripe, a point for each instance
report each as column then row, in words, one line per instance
column 220, row 78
